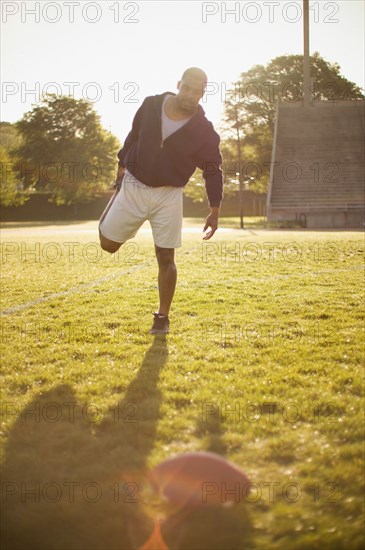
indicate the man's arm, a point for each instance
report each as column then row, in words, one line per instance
column 131, row 137
column 119, row 177
column 212, row 222
column 210, row 163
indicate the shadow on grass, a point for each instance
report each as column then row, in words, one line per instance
column 210, row 429
column 68, row 481
column 74, row 482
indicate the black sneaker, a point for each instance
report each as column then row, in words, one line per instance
column 161, row 324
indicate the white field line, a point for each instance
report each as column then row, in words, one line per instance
column 81, row 288
column 73, row 290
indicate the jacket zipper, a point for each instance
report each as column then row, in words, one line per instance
column 162, row 140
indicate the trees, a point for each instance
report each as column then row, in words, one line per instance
column 9, row 137
column 64, row 150
column 9, row 184
column 252, row 102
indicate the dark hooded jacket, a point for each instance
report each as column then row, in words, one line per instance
column 171, row 162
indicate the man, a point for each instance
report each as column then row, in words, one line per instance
column 170, row 138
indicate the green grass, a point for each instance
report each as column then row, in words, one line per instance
column 263, row 365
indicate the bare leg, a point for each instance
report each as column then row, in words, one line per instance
column 167, row 275
column 108, row 245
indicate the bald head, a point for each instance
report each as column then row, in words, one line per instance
column 191, row 89
column 196, row 74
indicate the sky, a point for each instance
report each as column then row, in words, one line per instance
column 116, row 53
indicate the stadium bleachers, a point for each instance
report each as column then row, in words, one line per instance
column 317, row 173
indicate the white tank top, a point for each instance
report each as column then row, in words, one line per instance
column 170, row 126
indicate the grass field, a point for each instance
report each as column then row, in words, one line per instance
column 263, row 365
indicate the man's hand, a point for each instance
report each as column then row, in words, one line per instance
column 119, row 177
column 120, row 173
column 212, row 222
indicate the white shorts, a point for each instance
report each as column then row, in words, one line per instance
column 135, row 203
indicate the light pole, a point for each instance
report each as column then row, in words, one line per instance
column 240, row 189
column 306, row 78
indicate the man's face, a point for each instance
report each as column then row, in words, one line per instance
column 191, row 90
